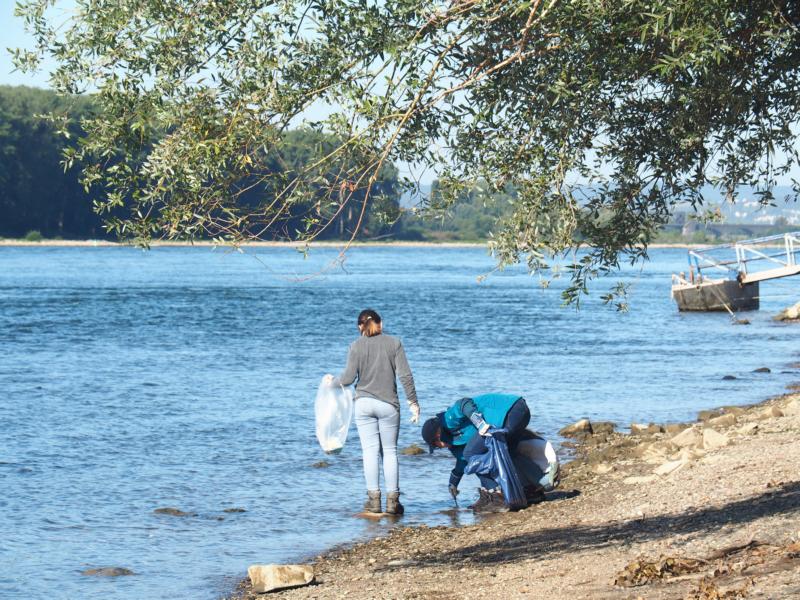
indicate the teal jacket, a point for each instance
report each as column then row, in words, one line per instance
column 458, row 429
column 493, row 407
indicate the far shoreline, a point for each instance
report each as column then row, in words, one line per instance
column 9, row 243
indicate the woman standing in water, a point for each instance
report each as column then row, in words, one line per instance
column 374, row 362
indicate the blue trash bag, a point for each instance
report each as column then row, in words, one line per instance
column 497, row 464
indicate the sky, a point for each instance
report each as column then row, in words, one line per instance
column 12, row 34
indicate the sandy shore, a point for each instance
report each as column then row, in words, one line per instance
column 704, row 511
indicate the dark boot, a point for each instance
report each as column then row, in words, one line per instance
column 495, row 504
column 483, row 500
column 534, row 494
column 373, row 503
column 393, row 506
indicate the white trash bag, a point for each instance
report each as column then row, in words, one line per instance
column 334, row 411
column 543, row 454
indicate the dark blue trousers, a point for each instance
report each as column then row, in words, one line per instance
column 517, row 419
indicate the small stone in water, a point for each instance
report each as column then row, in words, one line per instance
column 321, row 464
column 173, row 512
column 108, row 572
column 412, row 450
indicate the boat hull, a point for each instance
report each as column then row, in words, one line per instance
column 720, row 295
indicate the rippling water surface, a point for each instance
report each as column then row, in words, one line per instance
column 185, row 377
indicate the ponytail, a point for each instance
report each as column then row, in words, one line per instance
column 369, row 322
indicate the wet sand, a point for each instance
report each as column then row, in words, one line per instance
column 704, row 511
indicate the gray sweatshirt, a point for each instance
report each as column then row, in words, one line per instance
column 375, row 361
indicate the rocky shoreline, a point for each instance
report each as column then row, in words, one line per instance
column 703, row 511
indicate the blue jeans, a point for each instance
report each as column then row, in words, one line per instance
column 378, row 424
column 517, row 419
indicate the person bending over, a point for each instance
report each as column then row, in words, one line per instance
column 463, row 427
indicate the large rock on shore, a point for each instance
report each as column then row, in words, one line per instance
column 688, row 438
column 706, row 415
column 713, row 439
column 649, row 429
column 725, row 420
column 581, row 428
column 792, row 408
column 673, row 428
column 655, row 453
column 748, row 429
column 603, row 427
column 770, row 412
column 791, row 313
column 266, row 578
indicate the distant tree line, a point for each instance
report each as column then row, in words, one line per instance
column 35, row 192
column 39, row 197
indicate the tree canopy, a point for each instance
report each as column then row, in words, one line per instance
column 601, row 116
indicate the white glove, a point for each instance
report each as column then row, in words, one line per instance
column 414, row 408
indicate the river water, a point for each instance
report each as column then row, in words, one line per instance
column 185, row 377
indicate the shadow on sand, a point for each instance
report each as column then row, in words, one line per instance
column 783, row 499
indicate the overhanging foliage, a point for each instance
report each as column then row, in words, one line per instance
column 640, row 102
